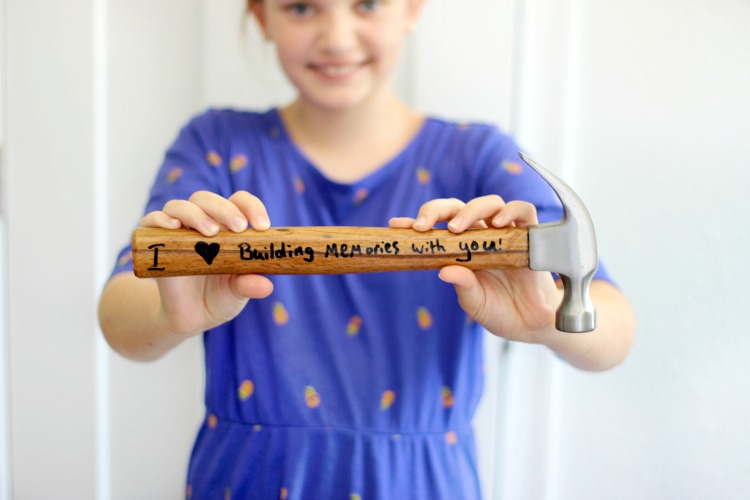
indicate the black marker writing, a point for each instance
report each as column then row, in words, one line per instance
column 344, row 250
column 155, row 248
column 432, row 247
column 282, row 252
column 208, row 251
column 486, row 246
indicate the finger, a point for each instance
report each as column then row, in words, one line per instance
column 157, row 218
column 220, row 209
column 516, row 213
column 191, row 215
column 470, row 293
column 408, row 223
column 478, row 209
column 436, row 211
column 251, row 286
column 252, row 209
column 480, row 224
column 401, row 222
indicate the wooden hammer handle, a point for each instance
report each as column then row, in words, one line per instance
column 324, row 250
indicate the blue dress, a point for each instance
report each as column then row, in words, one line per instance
column 359, row 386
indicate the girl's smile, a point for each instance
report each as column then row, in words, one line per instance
column 337, row 71
column 339, row 54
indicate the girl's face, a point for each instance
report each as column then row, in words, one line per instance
column 338, row 53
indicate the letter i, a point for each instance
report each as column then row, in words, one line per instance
column 156, row 257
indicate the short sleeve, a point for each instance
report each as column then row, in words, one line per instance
column 500, row 170
column 192, row 163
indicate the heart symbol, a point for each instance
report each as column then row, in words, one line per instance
column 208, row 252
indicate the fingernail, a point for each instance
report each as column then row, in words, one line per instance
column 456, row 223
column 240, row 224
column 262, row 222
column 421, row 222
column 210, row 226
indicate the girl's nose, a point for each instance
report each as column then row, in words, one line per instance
column 338, row 32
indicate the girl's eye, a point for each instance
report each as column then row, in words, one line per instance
column 299, row 9
column 369, row 5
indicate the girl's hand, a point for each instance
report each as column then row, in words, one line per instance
column 193, row 304
column 514, row 304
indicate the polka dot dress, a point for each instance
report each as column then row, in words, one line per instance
column 357, row 386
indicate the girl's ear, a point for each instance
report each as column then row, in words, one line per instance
column 415, row 12
column 257, row 9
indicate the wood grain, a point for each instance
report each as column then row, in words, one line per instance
column 324, row 250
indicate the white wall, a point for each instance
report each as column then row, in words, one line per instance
column 642, row 106
column 4, row 356
column 95, row 89
column 154, row 84
column 664, row 161
column 50, row 234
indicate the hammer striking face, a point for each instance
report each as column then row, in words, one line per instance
column 566, row 247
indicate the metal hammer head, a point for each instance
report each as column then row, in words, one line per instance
column 567, row 247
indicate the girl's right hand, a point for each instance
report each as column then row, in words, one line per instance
column 191, row 305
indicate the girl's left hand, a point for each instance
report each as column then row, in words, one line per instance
column 515, row 304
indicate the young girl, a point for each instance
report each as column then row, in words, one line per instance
column 345, row 386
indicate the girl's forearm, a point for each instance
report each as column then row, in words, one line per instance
column 129, row 316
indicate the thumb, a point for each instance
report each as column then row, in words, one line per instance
column 471, row 294
column 251, row 286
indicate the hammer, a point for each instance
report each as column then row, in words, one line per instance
column 566, row 247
